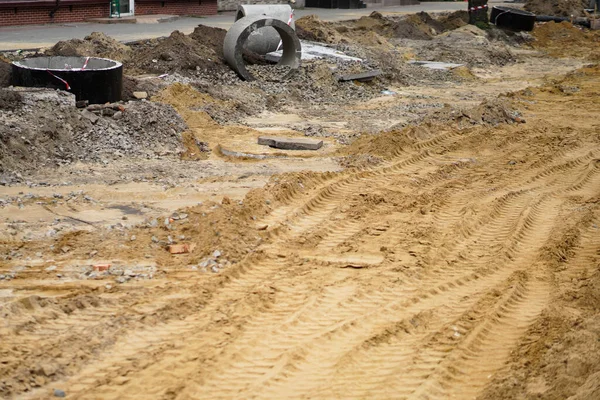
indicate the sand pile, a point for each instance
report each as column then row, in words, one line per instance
column 96, row 44
column 566, row 40
column 466, row 45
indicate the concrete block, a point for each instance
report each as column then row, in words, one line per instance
column 362, row 77
column 290, row 143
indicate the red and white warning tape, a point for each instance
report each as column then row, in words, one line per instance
column 87, row 59
column 60, row 79
column 478, row 8
column 289, row 24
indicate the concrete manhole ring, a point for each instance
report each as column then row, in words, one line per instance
column 240, row 31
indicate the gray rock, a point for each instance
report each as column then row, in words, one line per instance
column 290, row 143
column 93, row 118
column 59, row 393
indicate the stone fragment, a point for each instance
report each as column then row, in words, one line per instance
column 140, row 95
column 290, row 143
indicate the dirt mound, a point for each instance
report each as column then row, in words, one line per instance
column 454, row 20
column 489, row 112
column 466, row 45
column 419, row 26
column 46, row 131
column 178, row 53
column 566, row 40
column 389, row 144
column 560, row 8
column 97, row 44
column 5, row 73
column 313, row 28
column 209, row 37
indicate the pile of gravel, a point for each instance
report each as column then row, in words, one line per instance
column 46, row 130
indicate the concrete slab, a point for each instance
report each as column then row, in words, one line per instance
column 314, row 51
column 290, row 143
column 436, row 64
column 361, row 77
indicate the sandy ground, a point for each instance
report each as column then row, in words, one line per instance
column 464, row 264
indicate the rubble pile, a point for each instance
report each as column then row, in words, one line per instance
column 46, row 130
column 559, row 8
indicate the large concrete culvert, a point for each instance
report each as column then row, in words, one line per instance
column 265, row 40
column 238, row 34
column 98, row 80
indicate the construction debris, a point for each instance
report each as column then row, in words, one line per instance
column 361, row 77
column 434, row 227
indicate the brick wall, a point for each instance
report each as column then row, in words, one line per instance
column 180, row 7
column 231, row 5
column 24, row 15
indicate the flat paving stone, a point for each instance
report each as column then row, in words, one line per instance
column 290, row 143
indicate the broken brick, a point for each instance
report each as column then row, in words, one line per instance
column 181, row 248
column 101, row 267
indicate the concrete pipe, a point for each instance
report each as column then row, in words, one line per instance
column 98, row 80
column 239, row 33
column 265, row 40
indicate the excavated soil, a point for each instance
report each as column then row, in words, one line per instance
column 96, row 44
column 559, row 8
column 453, row 255
column 178, row 53
column 566, row 40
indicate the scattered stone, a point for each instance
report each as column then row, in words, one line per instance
column 133, row 238
column 118, row 115
column 65, row 249
column 93, row 118
column 154, row 239
column 59, row 393
column 140, row 95
column 82, row 103
column 262, row 227
column 216, row 254
column 290, row 143
column 51, row 268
